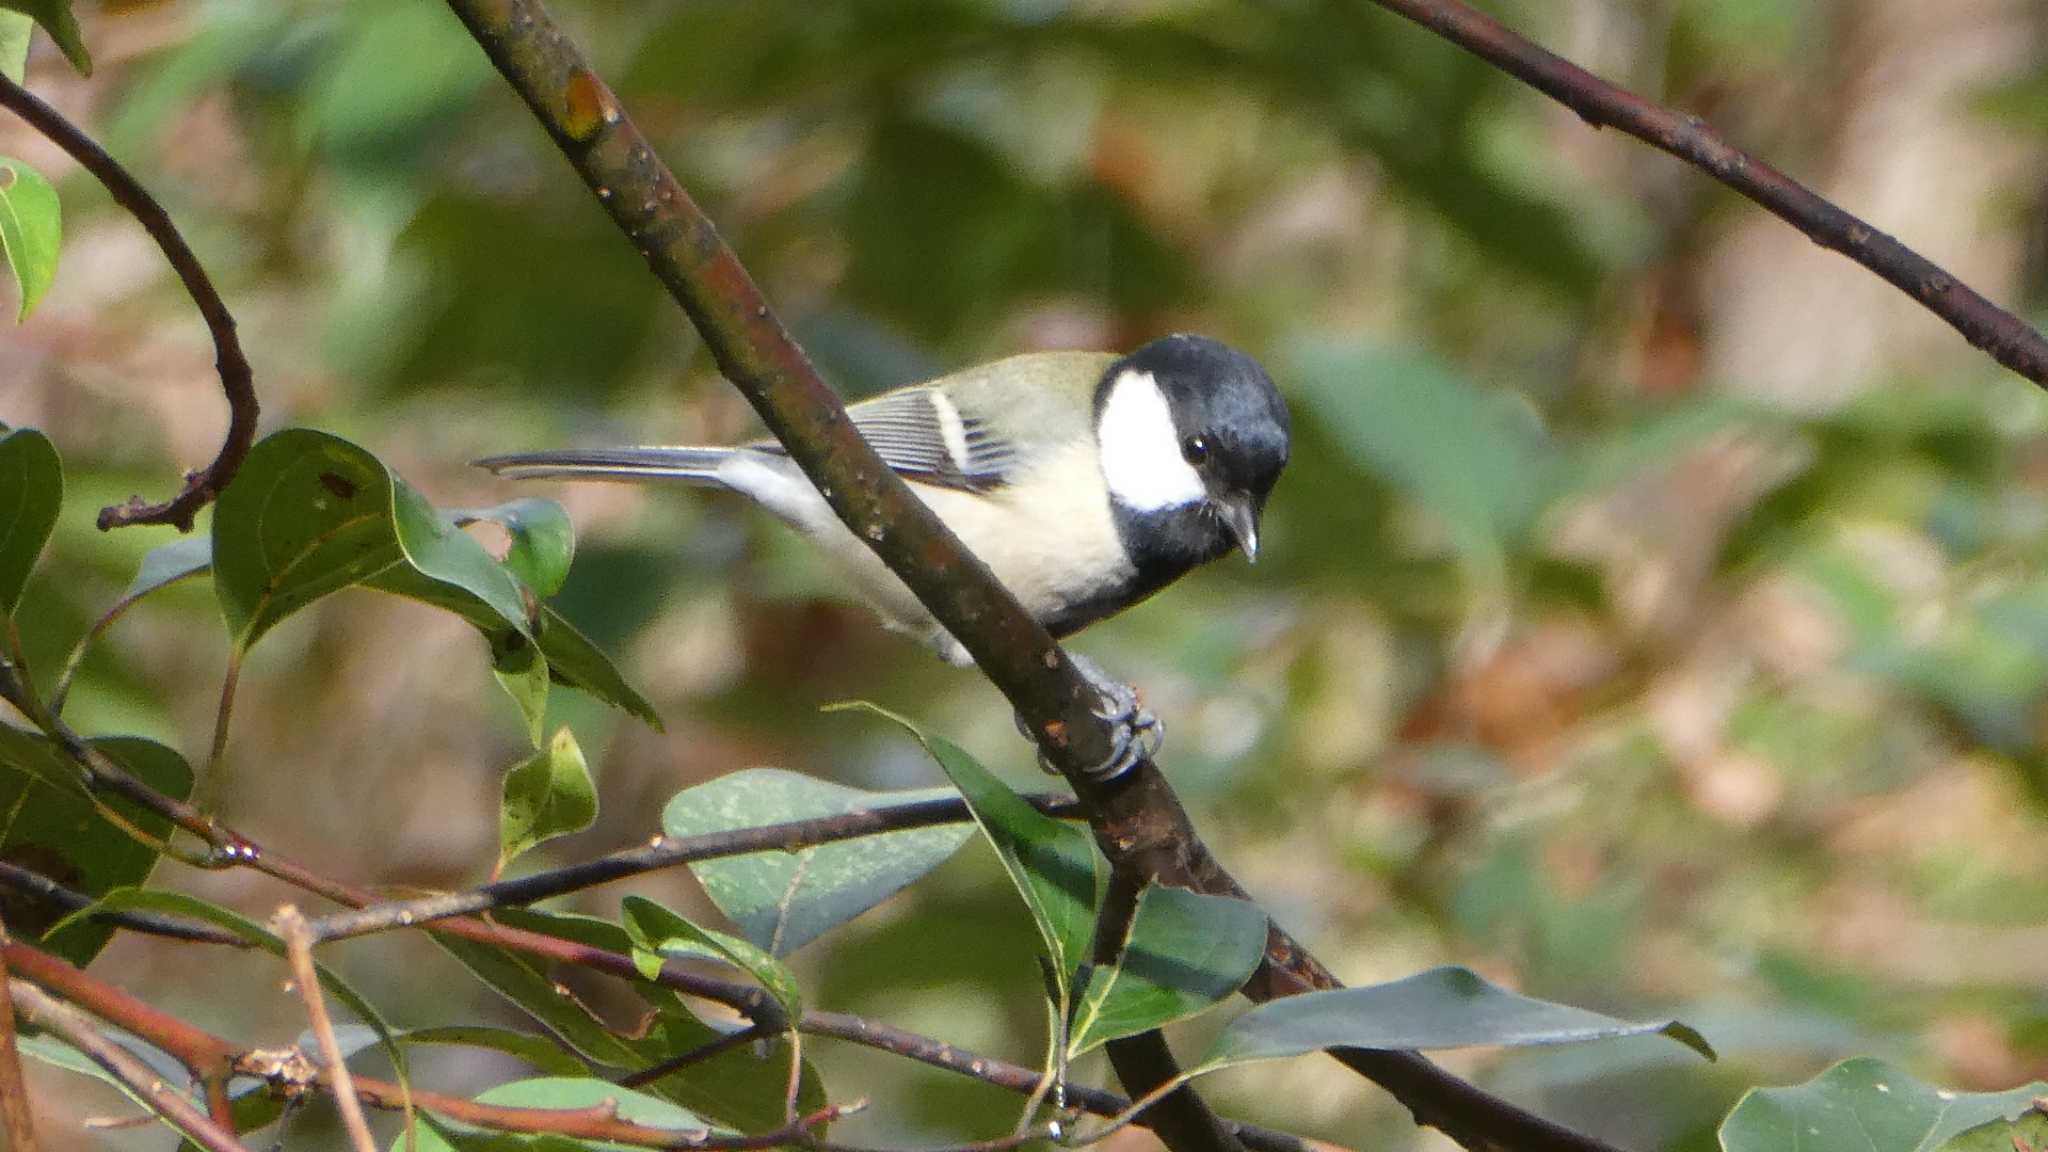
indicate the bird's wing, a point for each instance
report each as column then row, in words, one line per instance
column 924, row 433
column 950, row 431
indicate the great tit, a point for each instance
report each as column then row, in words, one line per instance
column 1085, row 481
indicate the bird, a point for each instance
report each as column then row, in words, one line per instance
column 1085, row 481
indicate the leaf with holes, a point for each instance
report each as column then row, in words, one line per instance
column 784, row 900
column 1441, row 1008
column 1865, row 1105
column 311, row 513
column 658, row 932
column 543, row 540
column 1185, row 952
column 60, row 832
column 1051, row 863
column 56, row 18
column 31, row 491
column 549, row 794
column 31, row 231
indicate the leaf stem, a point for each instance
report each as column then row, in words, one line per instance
column 217, row 752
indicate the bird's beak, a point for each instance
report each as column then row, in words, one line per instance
column 1241, row 516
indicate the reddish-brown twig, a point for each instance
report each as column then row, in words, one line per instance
column 16, row 1121
column 77, row 1030
column 236, row 380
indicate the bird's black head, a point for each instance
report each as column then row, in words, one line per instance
column 1193, row 436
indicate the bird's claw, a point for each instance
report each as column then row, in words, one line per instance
column 1136, row 734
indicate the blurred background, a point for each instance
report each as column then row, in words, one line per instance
column 1653, row 617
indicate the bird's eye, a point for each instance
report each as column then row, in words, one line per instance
column 1195, row 449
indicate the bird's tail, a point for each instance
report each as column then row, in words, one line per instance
column 686, row 465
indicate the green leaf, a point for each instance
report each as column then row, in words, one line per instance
column 743, row 1087
column 523, row 673
column 1185, row 952
column 31, row 491
column 548, row 795
column 566, row 654
column 169, row 563
column 563, row 1093
column 1865, row 1105
column 57, row 1054
column 311, row 513
column 2028, row 1132
column 571, row 659
column 37, row 758
column 1052, row 863
column 60, row 833
column 538, row 1051
column 657, row 930
column 543, row 540
column 784, row 900
column 15, row 29
column 525, row 980
column 1441, row 1008
column 31, row 231
column 56, row 18
column 575, row 661
column 1475, row 457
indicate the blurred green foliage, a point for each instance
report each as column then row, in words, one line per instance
column 1626, row 682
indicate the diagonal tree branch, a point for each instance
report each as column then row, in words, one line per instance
column 236, row 380
column 1137, row 820
column 2008, row 339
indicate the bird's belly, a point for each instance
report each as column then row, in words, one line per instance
column 1056, row 550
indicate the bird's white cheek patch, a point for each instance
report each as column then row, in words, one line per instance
column 1141, row 458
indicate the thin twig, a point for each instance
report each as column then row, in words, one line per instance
column 236, row 380
column 2008, row 339
column 697, row 1055
column 664, row 852
column 290, row 924
column 16, row 1121
column 56, row 896
column 76, row 1029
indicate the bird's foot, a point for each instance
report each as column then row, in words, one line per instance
column 1135, row 735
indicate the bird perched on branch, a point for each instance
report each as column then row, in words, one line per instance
column 1085, row 481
